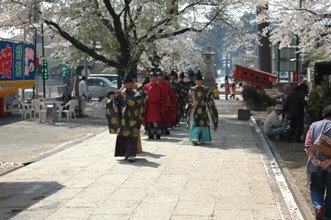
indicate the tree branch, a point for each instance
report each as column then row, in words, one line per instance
column 105, row 21
column 123, row 41
column 175, row 33
column 79, row 45
column 132, row 25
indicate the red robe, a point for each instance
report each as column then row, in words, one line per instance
column 155, row 104
column 170, row 113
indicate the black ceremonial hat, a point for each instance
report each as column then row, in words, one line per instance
column 152, row 73
column 173, row 73
column 190, row 72
column 127, row 78
column 182, row 75
column 165, row 76
column 198, row 76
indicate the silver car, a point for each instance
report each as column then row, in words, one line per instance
column 110, row 76
column 100, row 87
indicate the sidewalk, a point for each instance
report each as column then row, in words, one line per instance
column 228, row 179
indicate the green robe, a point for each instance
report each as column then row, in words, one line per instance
column 205, row 113
column 125, row 117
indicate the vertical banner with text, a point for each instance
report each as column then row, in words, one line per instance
column 16, row 61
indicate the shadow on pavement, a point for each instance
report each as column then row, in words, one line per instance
column 140, row 162
column 10, row 119
column 16, row 197
column 80, row 122
column 148, row 154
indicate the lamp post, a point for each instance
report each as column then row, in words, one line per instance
column 209, row 79
column 36, row 20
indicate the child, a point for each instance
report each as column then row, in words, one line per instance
column 233, row 89
column 216, row 93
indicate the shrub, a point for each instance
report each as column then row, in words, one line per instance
column 249, row 92
column 319, row 98
column 255, row 99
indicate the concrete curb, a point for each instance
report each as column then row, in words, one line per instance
column 61, row 147
column 299, row 199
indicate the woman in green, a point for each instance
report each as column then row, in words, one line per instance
column 125, row 114
column 202, row 112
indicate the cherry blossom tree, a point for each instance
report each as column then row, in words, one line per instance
column 309, row 21
column 115, row 32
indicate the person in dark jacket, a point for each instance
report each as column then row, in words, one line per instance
column 304, row 86
column 295, row 109
column 283, row 97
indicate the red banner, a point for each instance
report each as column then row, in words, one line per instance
column 255, row 77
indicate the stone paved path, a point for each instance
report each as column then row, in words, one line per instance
column 228, row 179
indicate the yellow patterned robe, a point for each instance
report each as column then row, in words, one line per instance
column 205, row 113
column 125, row 117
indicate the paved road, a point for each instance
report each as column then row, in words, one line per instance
column 171, row 179
column 23, row 140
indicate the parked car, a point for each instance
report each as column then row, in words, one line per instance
column 110, row 76
column 28, row 95
column 221, row 82
column 100, row 87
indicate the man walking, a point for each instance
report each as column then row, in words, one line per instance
column 125, row 115
column 201, row 109
column 182, row 92
column 155, row 108
column 83, row 93
column 170, row 111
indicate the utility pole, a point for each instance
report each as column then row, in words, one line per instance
column 35, row 20
column 43, row 55
column 297, row 50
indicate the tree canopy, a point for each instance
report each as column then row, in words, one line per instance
column 115, row 32
column 122, row 33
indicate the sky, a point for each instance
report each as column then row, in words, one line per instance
column 7, row 34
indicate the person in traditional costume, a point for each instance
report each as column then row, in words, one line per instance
column 202, row 112
column 190, row 83
column 227, row 87
column 170, row 112
column 191, row 76
column 182, row 92
column 174, row 86
column 137, row 86
column 155, row 108
column 125, row 113
column 216, row 93
column 173, row 81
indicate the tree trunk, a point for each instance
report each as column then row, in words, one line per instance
column 264, row 47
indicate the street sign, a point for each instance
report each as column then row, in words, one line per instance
column 45, row 69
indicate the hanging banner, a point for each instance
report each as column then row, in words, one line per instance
column 17, row 67
column 16, row 61
column 253, row 76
